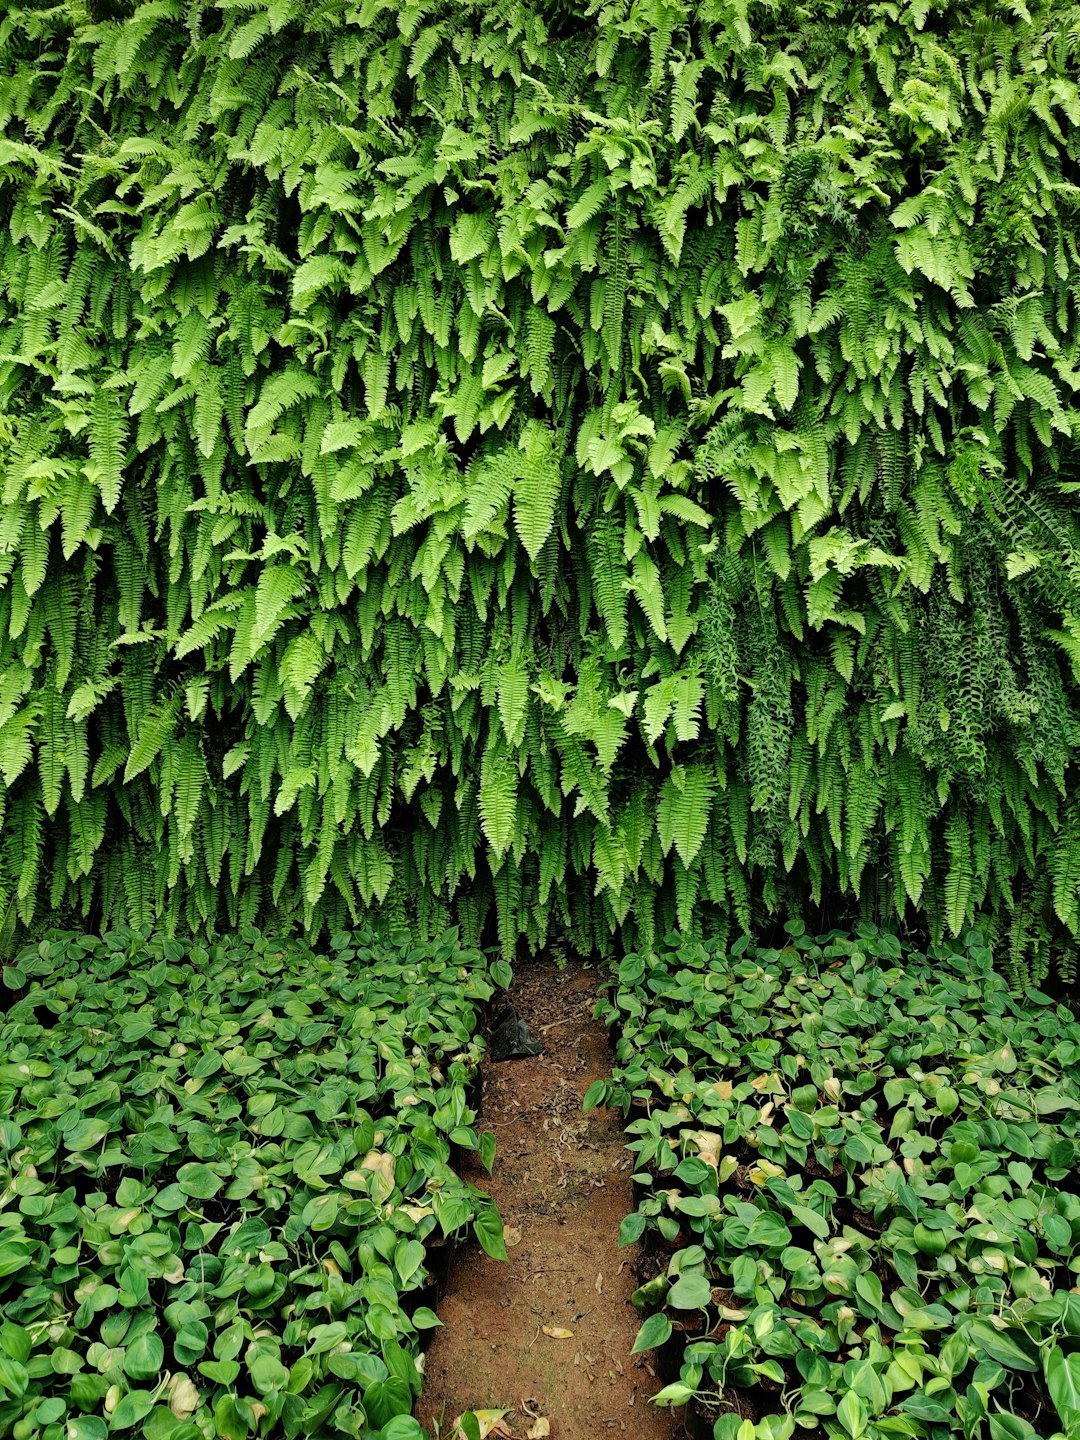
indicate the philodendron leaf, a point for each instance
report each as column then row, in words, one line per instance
column 851, row 1412
column 690, row 1292
column 488, row 1147
column 632, row 1228
column 946, row 1099
column 654, row 1332
column 132, row 1408
column 1010, row 1427
column 1012, row 1350
column 144, row 1357
column 408, row 1259
column 87, row 1134
column 267, row 1372
column 13, row 1376
column 222, row 1372
column 1058, row 1233
column 1063, row 1382
column 403, row 1427
column 814, row 1222
column 384, row 1399
column 232, row 1418
column 488, row 1226
column 86, row 1427
column 16, row 1341
column 198, row 1181
column 677, row 1393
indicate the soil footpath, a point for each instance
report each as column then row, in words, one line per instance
column 562, row 1184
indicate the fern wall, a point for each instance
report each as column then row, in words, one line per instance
column 588, row 466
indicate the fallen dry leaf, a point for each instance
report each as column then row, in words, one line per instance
column 538, row 1430
column 599, row 1284
column 491, row 1424
column 558, row 1332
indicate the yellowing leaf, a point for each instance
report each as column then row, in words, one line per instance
column 381, row 1169
column 490, row 1423
column 708, row 1146
column 416, row 1213
column 376, row 1160
column 764, row 1170
column 183, row 1397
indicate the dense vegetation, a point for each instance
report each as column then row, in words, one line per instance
column 592, row 468
column 857, row 1168
column 562, row 474
column 221, row 1172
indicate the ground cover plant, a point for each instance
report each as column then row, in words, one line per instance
column 222, row 1172
column 589, row 465
column 858, row 1166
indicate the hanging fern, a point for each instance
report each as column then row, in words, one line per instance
column 560, row 476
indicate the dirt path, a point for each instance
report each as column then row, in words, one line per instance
column 562, row 1184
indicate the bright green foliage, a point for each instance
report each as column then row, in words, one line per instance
column 606, row 466
column 856, row 1166
column 220, row 1173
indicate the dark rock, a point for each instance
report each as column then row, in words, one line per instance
column 513, row 1040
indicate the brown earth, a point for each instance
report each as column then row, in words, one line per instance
column 562, row 1184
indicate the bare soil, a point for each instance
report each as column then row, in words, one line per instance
column 562, row 1184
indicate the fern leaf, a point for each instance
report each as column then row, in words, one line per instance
column 278, row 587
column 108, row 438
column 498, row 800
column 609, row 577
column 513, row 697
column 536, row 492
column 209, row 409
column 154, row 733
column 682, row 815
